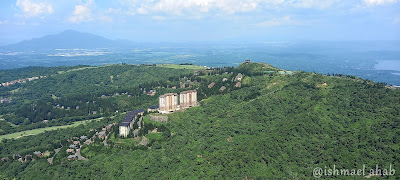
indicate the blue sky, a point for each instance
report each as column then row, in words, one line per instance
column 203, row 20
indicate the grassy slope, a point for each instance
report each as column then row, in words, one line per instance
column 177, row 66
column 42, row 130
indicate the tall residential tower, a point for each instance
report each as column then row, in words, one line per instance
column 188, row 99
column 168, row 103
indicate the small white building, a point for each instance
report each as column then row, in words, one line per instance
column 239, row 77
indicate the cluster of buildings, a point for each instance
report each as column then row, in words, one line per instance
column 238, row 78
column 103, row 133
column 73, row 150
column 115, row 94
column 20, row 81
column 67, row 108
column 18, row 157
column 169, row 102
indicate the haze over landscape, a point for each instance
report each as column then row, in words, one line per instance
column 354, row 37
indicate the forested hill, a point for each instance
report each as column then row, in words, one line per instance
column 276, row 124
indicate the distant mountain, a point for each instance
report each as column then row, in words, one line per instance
column 68, row 39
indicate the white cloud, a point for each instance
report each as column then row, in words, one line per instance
column 22, row 23
column 396, row 20
column 142, row 10
column 234, row 6
column 160, row 18
column 105, row 19
column 112, row 10
column 285, row 20
column 4, row 22
column 181, row 7
column 379, row 2
column 82, row 13
column 88, row 12
column 318, row 4
column 31, row 9
column 224, row 7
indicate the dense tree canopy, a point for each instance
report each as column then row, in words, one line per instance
column 273, row 126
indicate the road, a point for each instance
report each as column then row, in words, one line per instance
column 56, row 152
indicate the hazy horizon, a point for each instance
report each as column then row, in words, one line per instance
column 230, row 41
column 305, row 35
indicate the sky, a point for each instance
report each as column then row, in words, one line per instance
column 203, row 20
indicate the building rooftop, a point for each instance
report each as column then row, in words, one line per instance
column 69, row 150
column 154, row 107
column 138, row 111
column 37, row 152
column 126, row 124
column 5, row 100
column 211, row 85
column 71, row 156
column 169, row 94
column 188, row 91
column 129, row 117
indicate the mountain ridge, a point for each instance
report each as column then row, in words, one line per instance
column 68, row 39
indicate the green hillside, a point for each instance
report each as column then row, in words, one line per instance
column 275, row 126
column 35, row 101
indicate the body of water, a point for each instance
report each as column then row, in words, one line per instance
column 374, row 60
